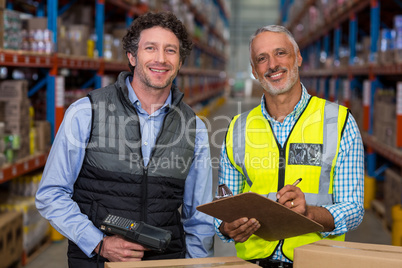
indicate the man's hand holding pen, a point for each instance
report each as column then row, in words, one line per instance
column 241, row 229
column 292, row 197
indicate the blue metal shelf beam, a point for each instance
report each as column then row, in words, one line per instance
column 52, row 7
column 352, row 39
column 374, row 29
column 99, row 28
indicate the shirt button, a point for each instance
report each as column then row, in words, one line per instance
column 146, row 143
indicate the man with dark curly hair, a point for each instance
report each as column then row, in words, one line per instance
column 133, row 149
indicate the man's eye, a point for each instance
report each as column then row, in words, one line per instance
column 171, row 51
column 149, row 48
column 260, row 59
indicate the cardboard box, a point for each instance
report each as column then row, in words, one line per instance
column 230, row 262
column 78, row 36
column 13, row 90
column 392, row 193
column 43, row 136
column 335, row 254
column 10, row 238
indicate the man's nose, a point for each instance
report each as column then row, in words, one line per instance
column 161, row 56
column 272, row 63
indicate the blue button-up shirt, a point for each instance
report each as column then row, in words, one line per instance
column 63, row 165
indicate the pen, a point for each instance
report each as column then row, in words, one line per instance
column 297, row 181
column 294, row 184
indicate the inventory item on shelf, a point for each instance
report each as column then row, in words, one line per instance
column 11, row 230
column 35, row 228
column 15, row 114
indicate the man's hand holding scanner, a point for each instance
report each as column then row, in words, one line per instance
column 292, row 197
column 240, row 230
column 116, row 248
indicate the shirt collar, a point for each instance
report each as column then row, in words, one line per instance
column 299, row 108
column 136, row 102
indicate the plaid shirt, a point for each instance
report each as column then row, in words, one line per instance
column 348, row 193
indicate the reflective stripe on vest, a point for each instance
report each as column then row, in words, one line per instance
column 310, row 152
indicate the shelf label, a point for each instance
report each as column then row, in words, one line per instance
column 366, row 92
column 399, row 99
column 26, row 166
column 36, row 162
column 37, row 60
column 1, row 175
column 14, row 170
column 26, row 59
column 15, row 59
column 346, row 90
column 2, row 57
column 60, row 91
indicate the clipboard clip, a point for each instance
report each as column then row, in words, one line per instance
column 223, row 191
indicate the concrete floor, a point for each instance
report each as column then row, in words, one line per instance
column 370, row 231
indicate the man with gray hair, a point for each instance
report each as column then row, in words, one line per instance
column 291, row 135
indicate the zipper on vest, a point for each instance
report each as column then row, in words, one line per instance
column 282, row 166
column 144, row 195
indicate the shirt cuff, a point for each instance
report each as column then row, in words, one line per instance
column 224, row 238
column 88, row 245
column 339, row 222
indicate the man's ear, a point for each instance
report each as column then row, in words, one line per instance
column 254, row 73
column 299, row 59
column 131, row 58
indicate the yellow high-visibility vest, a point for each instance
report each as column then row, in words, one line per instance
column 310, row 152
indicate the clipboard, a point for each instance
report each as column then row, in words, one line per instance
column 277, row 221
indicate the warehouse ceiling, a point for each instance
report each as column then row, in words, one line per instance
column 246, row 18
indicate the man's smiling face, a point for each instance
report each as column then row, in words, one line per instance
column 274, row 62
column 158, row 58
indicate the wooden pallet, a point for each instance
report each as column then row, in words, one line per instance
column 27, row 257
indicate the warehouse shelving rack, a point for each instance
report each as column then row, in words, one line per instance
column 355, row 17
column 51, row 63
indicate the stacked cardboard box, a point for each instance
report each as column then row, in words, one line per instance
column 10, row 238
column 42, row 136
column 15, row 114
column 11, row 29
column 392, row 193
column 34, row 227
column 384, row 126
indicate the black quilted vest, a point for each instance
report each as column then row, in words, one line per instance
column 113, row 179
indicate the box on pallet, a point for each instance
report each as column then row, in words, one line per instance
column 392, row 193
column 10, row 238
column 334, row 254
